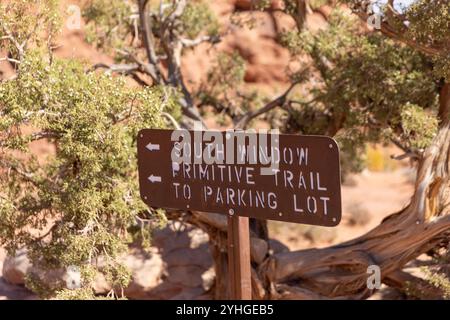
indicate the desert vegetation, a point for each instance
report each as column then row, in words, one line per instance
column 367, row 85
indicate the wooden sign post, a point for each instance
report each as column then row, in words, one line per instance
column 242, row 174
column 239, row 266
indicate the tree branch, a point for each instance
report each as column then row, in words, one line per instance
column 179, row 6
column 10, row 37
column 360, row 10
column 43, row 135
column 10, row 60
column 408, row 153
column 26, row 175
column 300, row 16
column 147, row 36
column 243, row 121
column 444, row 104
column 171, row 119
column 125, row 69
column 172, row 46
column 189, row 43
column 119, row 68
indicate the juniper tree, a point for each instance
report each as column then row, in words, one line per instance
column 364, row 77
column 82, row 202
column 387, row 85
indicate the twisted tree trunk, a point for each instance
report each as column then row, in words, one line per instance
column 340, row 271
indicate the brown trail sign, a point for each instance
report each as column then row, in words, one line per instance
column 242, row 174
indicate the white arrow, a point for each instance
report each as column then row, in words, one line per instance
column 152, row 147
column 153, row 179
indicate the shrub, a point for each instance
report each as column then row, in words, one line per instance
column 81, row 202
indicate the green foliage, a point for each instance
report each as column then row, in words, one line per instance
column 228, row 71
column 223, row 89
column 86, row 194
column 82, row 203
column 418, row 127
column 114, row 25
column 109, row 23
column 44, row 290
column 436, row 274
column 442, row 67
column 261, row 4
column 439, row 276
column 369, row 90
column 198, row 18
column 429, row 21
column 429, row 25
column 440, row 281
column 78, row 294
column 226, row 74
column 425, row 23
column 318, row 3
column 24, row 18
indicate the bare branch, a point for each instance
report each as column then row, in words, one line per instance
column 385, row 28
column 147, row 36
column 178, row 10
column 9, row 36
column 189, row 43
column 43, row 135
column 119, row 68
column 173, row 47
column 171, row 119
column 146, row 68
column 409, row 153
column 11, row 60
column 243, row 121
column 26, row 175
column 300, row 16
column 124, row 69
